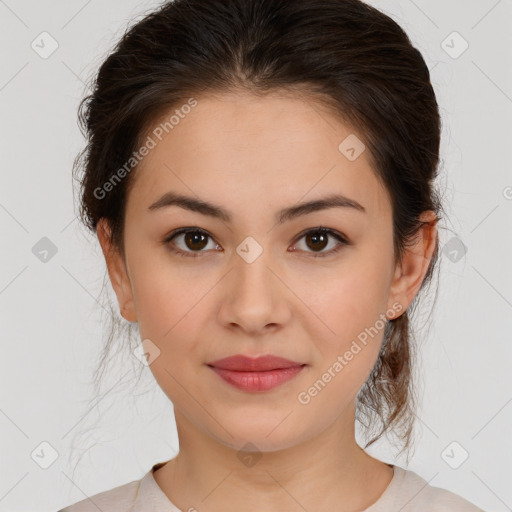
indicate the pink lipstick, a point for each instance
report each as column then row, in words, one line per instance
column 260, row 374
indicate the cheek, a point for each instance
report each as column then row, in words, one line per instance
column 168, row 311
column 170, row 308
column 349, row 314
column 353, row 309
column 163, row 294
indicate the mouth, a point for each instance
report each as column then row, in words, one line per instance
column 243, row 363
column 260, row 374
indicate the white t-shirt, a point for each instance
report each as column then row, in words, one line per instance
column 407, row 492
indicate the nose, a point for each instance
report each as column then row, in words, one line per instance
column 254, row 297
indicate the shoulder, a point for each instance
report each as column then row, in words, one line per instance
column 118, row 499
column 418, row 496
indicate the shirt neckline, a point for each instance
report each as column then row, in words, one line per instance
column 151, row 493
column 387, row 499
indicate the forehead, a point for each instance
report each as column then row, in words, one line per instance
column 237, row 148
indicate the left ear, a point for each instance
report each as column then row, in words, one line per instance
column 410, row 272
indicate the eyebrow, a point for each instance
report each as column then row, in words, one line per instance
column 284, row 215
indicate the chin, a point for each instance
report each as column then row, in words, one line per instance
column 262, row 436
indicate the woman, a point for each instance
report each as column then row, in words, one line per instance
column 260, row 176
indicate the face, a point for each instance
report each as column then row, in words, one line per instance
column 250, row 282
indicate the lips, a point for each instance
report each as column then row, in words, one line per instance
column 260, row 364
column 256, row 374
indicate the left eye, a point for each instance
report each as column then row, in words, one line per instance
column 195, row 239
column 318, row 238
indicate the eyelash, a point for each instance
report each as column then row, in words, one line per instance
column 194, row 254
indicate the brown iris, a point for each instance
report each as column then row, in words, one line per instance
column 316, row 240
column 195, row 240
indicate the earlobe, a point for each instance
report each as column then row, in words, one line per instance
column 117, row 271
column 411, row 271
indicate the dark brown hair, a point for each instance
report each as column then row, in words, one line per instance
column 348, row 55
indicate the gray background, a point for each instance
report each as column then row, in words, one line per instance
column 52, row 323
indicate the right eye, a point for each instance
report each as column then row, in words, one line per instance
column 193, row 238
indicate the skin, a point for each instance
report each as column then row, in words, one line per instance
column 254, row 156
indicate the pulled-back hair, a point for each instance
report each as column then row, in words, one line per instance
column 346, row 54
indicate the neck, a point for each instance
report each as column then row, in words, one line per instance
column 325, row 471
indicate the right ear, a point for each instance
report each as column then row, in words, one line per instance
column 117, row 271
